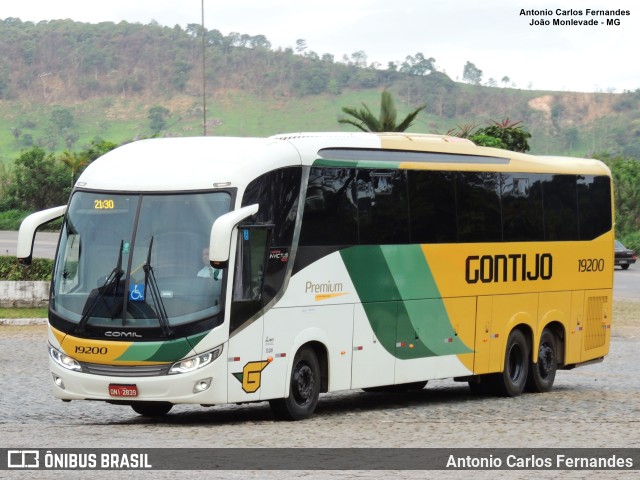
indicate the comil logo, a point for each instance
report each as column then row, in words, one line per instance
column 23, row 459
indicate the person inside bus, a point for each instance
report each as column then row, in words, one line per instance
column 213, row 274
column 208, row 271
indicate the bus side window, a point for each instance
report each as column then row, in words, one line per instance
column 248, row 277
column 70, row 277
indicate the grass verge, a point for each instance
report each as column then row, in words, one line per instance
column 23, row 313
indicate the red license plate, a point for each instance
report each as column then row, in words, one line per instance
column 123, row 390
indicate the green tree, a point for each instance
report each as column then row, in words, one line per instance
column 61, row 119
column 510, row 134
column 38, row 181
column 75, row 162
column 418, row 65
column 158, row 118
column 363, row 119
column 472, row 74
column 626, row 178
column 97, row 148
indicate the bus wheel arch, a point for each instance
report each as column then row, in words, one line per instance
column 308, row 377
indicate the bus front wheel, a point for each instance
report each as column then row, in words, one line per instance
column 511, row 381
column 304, row 388
column 543, row 373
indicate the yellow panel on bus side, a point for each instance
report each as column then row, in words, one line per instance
column 573, row 342
column 484, row 311
column 597, row 324
column 553, row 307
column 509, row 311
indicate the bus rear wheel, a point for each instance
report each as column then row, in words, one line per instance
column 304, row 388
column 511, row 381
column 152, row 409
column 543, row 373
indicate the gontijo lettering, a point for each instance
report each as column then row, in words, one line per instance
column 515, row 267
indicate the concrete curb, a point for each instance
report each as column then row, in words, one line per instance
column 23, row 322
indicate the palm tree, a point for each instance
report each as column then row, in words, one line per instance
column 368, row 122
column 75, row 162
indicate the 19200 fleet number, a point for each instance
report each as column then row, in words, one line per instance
column 590, row 265
column 91, row 350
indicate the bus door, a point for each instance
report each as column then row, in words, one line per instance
column 245, row 359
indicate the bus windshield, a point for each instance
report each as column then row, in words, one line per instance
column 138, row 260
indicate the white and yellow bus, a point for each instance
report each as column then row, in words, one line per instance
column 224, row 270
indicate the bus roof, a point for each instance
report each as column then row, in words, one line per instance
column 202, row 163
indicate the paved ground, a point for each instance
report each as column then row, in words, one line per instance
column 44, row 246
column 595, row 406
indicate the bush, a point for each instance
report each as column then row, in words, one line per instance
column 632, row 241
column 39, row 270
column 11, row 219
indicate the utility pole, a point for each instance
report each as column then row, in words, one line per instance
column 204, row 78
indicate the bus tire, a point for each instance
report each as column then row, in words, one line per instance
column 543, row 373
column 304, row 388
column 512, row 380
column 152, row 409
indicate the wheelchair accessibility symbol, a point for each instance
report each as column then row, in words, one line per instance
column 136, row 292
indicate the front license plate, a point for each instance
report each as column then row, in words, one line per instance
column 123, row 390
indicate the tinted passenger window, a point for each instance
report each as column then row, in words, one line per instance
column 277, row 193
column 383, row 208
column 479, row 218
column 522, row 215
column 594, row 206
column 432, row 206
column 560, row 207
column 330, row 212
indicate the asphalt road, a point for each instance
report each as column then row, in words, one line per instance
column 44, row 247
column 626, row 283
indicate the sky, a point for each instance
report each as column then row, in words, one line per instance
column 494, row 35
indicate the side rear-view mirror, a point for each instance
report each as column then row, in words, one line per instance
column 29, row 227
column 220, row 240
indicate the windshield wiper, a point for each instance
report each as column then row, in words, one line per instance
column 150, row 281
column 110, row 285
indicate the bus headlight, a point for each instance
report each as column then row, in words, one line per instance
column 64, row 360
column 194, row 363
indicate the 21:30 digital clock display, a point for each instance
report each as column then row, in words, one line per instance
column 104, row 204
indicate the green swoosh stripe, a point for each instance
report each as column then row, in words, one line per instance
column 401, row 300
column 167, row 351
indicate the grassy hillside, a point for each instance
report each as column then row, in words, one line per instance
column 70, row 82
column 578, row 132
